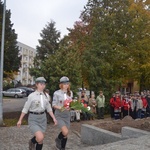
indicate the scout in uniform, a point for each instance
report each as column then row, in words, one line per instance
column 62, row 113
column 117, row 106
column 36, row 105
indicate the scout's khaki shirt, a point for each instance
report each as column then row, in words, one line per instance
column 34, row 104
column 58, row 98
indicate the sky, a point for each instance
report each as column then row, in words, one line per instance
column 30, row 17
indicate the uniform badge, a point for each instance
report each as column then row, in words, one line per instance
column 37, row 103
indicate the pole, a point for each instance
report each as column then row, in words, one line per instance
column 2, row 64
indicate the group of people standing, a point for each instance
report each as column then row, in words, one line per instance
column 38, row 103
column 96, row 105
column 135, row 105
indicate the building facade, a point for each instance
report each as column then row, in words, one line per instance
column 28, row 53
column 130, row 86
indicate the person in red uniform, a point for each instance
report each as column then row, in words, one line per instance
column 111, row 102
column 144, row 106
column 126, row 106
column 117, row 106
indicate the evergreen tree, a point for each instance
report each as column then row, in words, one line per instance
column 49, row 42
column 62, row 63
column 11, row 52
column 46, row 60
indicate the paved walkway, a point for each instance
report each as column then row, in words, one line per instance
column 13, row 138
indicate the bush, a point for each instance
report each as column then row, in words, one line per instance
column 7, row 86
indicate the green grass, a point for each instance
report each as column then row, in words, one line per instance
column 6, row 97
column 13, row 122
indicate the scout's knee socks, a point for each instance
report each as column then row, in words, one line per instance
column 58, row 140
column 63, row 140
column 63, row 143
column 39, row 146
column 60, row 136
column 34, row 140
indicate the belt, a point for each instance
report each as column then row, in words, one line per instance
column 37, row 113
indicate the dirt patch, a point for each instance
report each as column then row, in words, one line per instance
column 115, row 125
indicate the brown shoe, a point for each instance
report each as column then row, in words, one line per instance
column 31, row 145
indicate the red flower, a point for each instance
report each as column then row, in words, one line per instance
column 67, row 103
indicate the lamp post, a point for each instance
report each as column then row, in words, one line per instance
column 2, row 64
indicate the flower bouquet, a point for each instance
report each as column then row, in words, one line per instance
column 76, row 105
column 66, row 105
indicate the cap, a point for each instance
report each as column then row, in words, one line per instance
column 64, row 79
column 40, row 79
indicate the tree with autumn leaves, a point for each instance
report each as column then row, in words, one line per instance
column 116, row 43
column 109, row 45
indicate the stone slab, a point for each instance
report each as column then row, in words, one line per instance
column 141, row 143
column 92, row 135
column 129, row 132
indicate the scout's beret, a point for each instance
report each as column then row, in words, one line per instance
column 40, row 79
column 64, row 79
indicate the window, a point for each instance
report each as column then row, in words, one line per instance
column 9, row 90
column 17, row 90
column 12, row 90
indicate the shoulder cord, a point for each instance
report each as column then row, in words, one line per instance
column 45, row 93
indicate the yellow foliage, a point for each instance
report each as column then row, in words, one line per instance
column 9, row 76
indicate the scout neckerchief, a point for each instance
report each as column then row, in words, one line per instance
column 41, row 100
